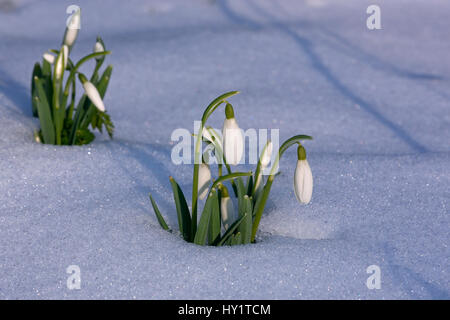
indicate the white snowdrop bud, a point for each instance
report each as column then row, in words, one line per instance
column 267, row 155
column 73, row 26
column 303, row 179
column 226, row 209
column 49, row 57
column 233, row 140
column 204, row 179
column 92, row 93
column 98, row 47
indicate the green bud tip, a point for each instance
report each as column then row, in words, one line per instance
column 229, row 112
column 82, row 78
column 301, row 153
column 224, row 191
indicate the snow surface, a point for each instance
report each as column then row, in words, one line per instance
column 377, row 103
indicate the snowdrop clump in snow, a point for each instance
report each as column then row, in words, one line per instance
column 220, row 223
column 53, row 100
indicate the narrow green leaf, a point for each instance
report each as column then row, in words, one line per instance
column 215, row 222
column 37, row 72
column 102, row 84
column 46, row 68
column 160, row 218
column 203, row 225
column 184, row 217
column 249, row 185
column 246, row 226
column 230, row 231
column 237, row 239
column 240, row 188
column 45, row 118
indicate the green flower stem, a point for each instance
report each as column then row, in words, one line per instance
column 72, row 102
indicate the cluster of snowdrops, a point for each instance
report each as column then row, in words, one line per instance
column 64, row 121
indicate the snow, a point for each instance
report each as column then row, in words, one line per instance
column 377, row 103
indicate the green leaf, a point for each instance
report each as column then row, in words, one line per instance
column 246, row 226
column 45, row 117
column 46, row 68
column 230, row 231
column 77, row 118
column 214, row 222
column 240, row 188
column 37, row 72
column 249, row 185
column 160, row 218
column 102, row 84
column 83, row 136
column 203, row 225
column 236, row 239
column 184, row 217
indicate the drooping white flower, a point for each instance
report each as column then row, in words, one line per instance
column 49, row 57
column 267, row 155
column 226, row 209
column 204, row 180
column 233, row 140
column 73, row 26
column 92, row 93
column 303, row 179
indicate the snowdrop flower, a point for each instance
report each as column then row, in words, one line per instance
column 204, row 179
column 303, row 179
column 233, row 140
column 92, row 93
column 226, row 208
column 49, row 57
column 73, row 26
